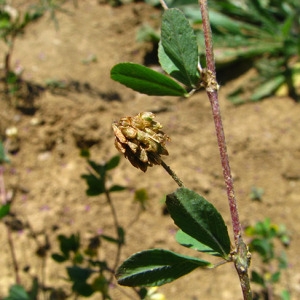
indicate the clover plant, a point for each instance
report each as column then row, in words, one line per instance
column 143, row 142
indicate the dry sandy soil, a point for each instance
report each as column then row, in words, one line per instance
column 263, row 142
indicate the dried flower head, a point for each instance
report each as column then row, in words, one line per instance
column 141, row 140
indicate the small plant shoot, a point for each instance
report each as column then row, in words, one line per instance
column 141, row 140
column 264, row 236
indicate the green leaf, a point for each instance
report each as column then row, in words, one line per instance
column 117, row 188
column 5, row 22
column 198, row 218
column 286, row 27
column 33, row 294
column 113, row 163
column 95, row 185
column 79, row 274
column 99, row 168
column 121, row 235
column 147, row 33
column 178, row 51
column 156, row 267
column 143, row 292
column 120, row 240
column 257, row 278
column 110, row 239
column 70, row 244
column 82, row 288
column 4, row 210
column 264, row 247
column 17, row 292
column 275, row 277
column 101, row 284
column 267, row 88
column 141, row 196
column 285, row 295
column 3, row 157
column 282, row 261
column 187, row 241
column 226, row 25
column 58, row 257
column 227, row 55
column 146, row 81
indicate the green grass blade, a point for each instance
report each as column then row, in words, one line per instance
column 226, row 25
column 228, row 54
column 267, row 88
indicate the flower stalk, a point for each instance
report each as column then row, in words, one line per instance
column 172, row 173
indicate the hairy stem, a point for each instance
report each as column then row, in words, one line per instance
column 172, row 173
column 241, row 258
column 213, row 97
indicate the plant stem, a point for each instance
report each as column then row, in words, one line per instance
column 213, row 97
column 172, row 173
column 117, row 228
column 9, row 233
column 13, row 255
column 241, row 257
column 2, row 186
column 163, row 4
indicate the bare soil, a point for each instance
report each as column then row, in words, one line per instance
column 45, row 171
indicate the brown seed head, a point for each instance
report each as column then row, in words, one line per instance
column 141, row 140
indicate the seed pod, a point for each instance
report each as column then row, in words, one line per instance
column 141, row 140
